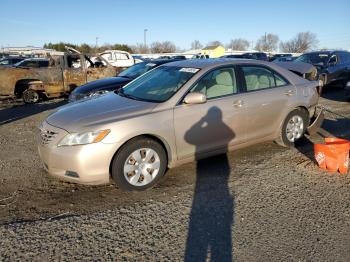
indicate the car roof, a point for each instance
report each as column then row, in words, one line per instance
column 213, row 62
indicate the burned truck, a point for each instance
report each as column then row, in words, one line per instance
column 66, row 71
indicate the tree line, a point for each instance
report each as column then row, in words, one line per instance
column 269, row 42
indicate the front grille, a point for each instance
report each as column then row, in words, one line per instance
column 47, row 136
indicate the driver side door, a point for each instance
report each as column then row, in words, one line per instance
column 215, row 125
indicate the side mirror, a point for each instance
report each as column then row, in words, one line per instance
column 195, row 98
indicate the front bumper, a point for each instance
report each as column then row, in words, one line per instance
column 89, row 164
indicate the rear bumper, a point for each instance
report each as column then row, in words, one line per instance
column 316, row 121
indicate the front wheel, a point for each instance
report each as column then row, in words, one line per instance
column 294, row 127
column 30, row 96
column 139, row 164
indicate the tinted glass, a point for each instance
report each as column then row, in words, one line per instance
column 218, row 83
column 159, row 84
column 43, row 63
column 314, row 58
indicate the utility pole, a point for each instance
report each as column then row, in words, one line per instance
column 144, row 37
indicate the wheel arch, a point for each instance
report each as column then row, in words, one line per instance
column 303, row 107
column 22, row 84
column 159, row 139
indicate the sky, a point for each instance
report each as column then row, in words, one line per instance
column 33, row 23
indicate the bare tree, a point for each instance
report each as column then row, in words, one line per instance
column 214, row 43
column 238, row 44
column 140, row 49
column 163, row 47
column 267, row 43
column 302, row 42
column 196, row 45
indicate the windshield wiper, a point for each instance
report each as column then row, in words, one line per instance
column 120, row 92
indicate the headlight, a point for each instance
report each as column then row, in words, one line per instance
column 84, row 138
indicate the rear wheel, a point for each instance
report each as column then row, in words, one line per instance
column 293, row 128
column 30, row 96
column 139, row 164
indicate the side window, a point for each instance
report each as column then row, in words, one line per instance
column 218, row 83
column 73, row 61
column 333, row 59
column 121, row 56
column 43, row 63
column 279, row 81
column 258, row 78
column 107, row 56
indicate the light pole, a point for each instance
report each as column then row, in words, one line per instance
column 144, row 37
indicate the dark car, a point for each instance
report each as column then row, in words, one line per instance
column 11, row 60
column 106, row 85
column 233, row 56
column 276, row 56
column 33, row 62
column 250, row 55
column 347, row 91
column 333, row 66
column 283, row 59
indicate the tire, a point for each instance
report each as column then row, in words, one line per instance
column 131, row 169
column 298, row 119
column 30, row 96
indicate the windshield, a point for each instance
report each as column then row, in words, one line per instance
column 137, row 70
column 313, row 58
column 159, row 84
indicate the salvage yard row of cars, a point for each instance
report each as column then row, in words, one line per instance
column 158, row 114
column 37, row 78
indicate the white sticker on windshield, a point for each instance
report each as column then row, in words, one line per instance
column 189, row 70
column 151, row 64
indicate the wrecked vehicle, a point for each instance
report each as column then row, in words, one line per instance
column 65, row 72
column 333, row 66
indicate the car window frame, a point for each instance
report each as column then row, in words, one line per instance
column 274, row 72
column 238, row 83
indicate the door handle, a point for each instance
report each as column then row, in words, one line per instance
column 238, row 103
column 289, row 93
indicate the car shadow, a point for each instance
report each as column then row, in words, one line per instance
column 8, row 115
column 211, row 219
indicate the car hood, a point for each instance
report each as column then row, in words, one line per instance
column 300, row 67
column 85, row 115
column 103, row 84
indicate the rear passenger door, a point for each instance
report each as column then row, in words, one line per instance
column 266, row 100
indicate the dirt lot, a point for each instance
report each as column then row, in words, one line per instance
column 268, row 204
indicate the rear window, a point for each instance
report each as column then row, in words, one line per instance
column 257, row 78
column 314, row 58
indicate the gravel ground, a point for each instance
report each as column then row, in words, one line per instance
column 263, row 203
